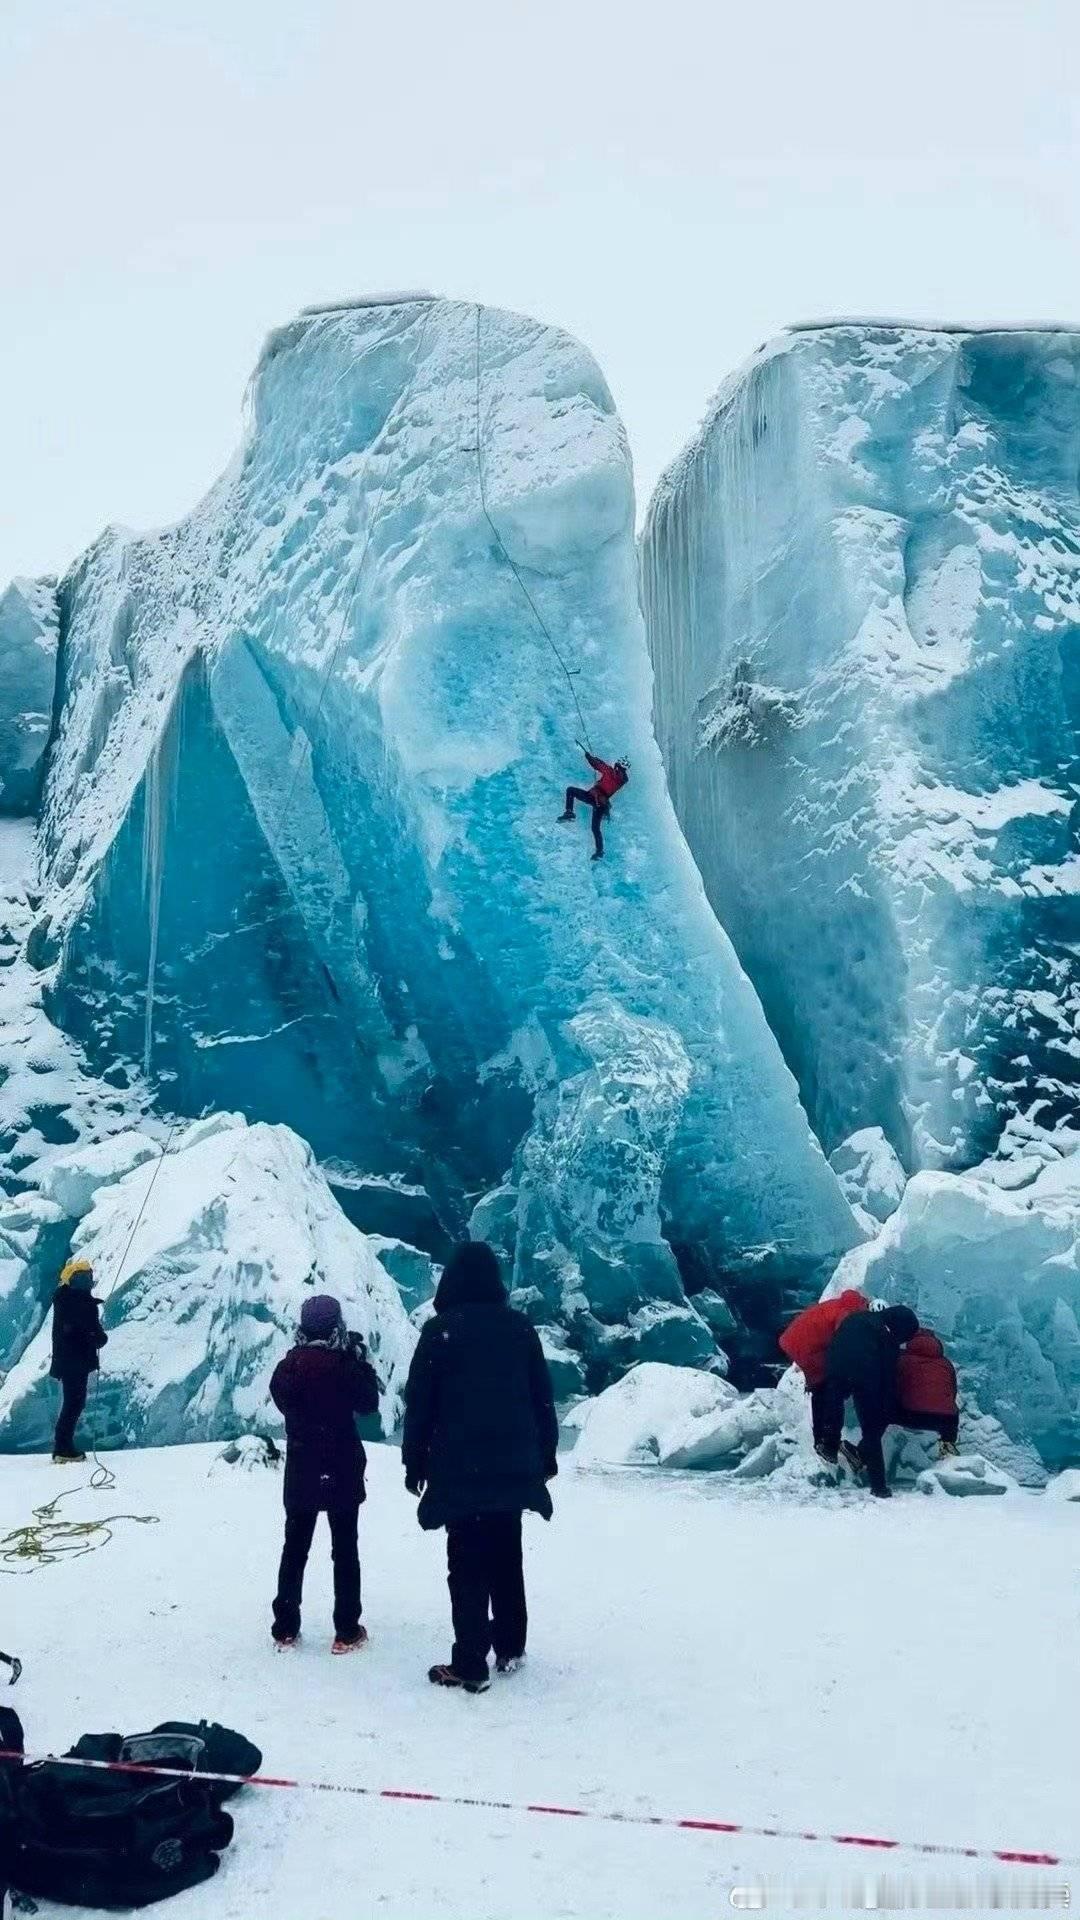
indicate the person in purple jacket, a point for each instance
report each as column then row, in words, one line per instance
column 321, row 1386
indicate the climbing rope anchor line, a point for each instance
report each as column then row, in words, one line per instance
column 508, row 557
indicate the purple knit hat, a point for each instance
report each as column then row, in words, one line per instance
column 319, row 1316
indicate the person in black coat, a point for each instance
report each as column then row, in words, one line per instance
column 77, row 1339
column 479, row 1446
column 861, row 1364
column 320, row 1386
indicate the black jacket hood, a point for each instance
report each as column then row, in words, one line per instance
column 471, row 1278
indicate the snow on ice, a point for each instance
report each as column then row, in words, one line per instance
column 300, row 852
column 997, row 1276
column 297, row 862
column 203, row 1287
column 29, row 631
column 862, row 592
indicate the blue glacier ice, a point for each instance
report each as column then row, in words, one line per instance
column 29, row 628
column 862, row 592
column 300, row 856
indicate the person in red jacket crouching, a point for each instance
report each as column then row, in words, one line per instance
column 926, row 1390
column 806, row 1343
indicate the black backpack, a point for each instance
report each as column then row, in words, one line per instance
column 113, row 1840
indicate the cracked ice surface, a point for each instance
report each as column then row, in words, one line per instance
column 301, row 857
column 862, row 588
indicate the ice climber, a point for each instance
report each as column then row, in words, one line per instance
column 609, row 780
column 320, row 1386
column 77, row 1338
column 806, row 1342
column 478, row 1448
column 862, row 1363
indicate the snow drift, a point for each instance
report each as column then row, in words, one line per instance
column 300, row 851
column 862, row 591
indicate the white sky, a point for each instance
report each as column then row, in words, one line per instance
column 671, row 180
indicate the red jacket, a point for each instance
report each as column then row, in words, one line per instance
column 611, row 778
column 925, row 1379
column 806, row 1341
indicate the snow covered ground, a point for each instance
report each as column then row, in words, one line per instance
column 697, row 1649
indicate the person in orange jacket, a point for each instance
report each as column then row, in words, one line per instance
column 806, row 1343
column 609, row 781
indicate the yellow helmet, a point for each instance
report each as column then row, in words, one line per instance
column 73, row 1267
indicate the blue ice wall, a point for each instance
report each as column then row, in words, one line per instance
column 28, row 637
column 301, row 839
column 862, row 590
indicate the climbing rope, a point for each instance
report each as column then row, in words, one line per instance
column 46, row 1540
column 511, row 563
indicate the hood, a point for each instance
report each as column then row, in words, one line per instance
column 926, row 1344
column 471, row 1278
column 902, row 1323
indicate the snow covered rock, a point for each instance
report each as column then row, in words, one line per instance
column 666, row 1416
column 73, row 1178
column 34, row 1240
column 1065, row 1486
column 345, row 904
column 238, row 1229
column 29, row 629
column 996, row 1275
column 966, row 1474
column 870, row 1173
column 249, row 1453
column 862, row 592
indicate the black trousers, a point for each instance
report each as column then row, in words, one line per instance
column 945, row 1425
column 487, row 1591
column 344, row 1544
column 827, row 1411
column 600, row 811
column 74, row 1386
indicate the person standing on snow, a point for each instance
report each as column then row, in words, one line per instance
column 479, row 1445
column 861, row 1363
column 806, row 1343
column 609, row 781
column 77, row 1339
column 321, row 1386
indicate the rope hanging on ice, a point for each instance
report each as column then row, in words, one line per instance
column 511, row 563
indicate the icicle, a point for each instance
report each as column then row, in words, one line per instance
column 157, row 806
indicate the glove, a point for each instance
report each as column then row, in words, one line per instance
column 551, row 1468
column 414, row 1485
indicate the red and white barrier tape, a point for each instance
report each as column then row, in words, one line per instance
column 1008, row 1856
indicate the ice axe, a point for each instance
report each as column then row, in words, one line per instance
column 9, row 1660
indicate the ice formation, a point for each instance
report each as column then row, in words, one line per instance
column 871, row 1175
column 300, row 852
column 29, row 628
column 201, row 1303
column 997, row 1275
column 862, row 592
